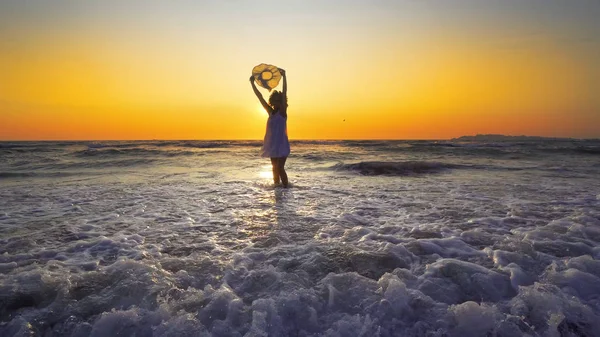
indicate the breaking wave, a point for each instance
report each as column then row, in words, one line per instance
column 110, row 152
column 375, row 168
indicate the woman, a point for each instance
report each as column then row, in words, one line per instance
column 276, row 144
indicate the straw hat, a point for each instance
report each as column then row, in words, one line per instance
column 266, row 75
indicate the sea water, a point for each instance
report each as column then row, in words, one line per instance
column 374, row 238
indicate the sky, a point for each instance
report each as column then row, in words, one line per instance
column 403, row 69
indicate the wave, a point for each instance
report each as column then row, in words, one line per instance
column 16, row 174
column 29, row 145
column 23, row 147
column 111, row 149
column 15, row 150
column 70, row 168
column 433, row 144
column 407, row 168
column 313, row 157
column 367, row 143
column 374, row 168
column 199, row 144
column 447, row 149
column 583, row 150
column 30, row 174
column 112, row 152
column 588, row 150
column 126, row 162
column 52, row 168
column 509, row 150
column 220, row 144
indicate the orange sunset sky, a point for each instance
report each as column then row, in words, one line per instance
column 400, row 69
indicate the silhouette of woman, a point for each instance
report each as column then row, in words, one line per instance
column 276, row 144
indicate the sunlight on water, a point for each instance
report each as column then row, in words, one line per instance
column 266, row 172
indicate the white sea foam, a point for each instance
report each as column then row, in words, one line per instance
column 197, row 242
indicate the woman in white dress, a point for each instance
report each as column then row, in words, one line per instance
column 276, row 144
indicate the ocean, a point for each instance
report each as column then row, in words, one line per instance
column 374, row 238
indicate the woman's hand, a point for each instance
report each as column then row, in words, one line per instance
column 251, row 78
column 281, row 71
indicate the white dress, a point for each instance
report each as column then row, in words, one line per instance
column 276, row 143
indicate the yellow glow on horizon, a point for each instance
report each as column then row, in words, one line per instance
column 370, row 82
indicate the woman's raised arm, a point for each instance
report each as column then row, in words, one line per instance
column 259, row 95
column 283, row 109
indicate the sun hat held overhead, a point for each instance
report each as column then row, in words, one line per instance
column 266, row 75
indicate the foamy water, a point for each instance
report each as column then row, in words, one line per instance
column 404, row 238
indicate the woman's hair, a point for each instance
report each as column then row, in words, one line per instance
column 276, row 96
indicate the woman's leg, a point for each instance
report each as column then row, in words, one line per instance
column 275, row 165
column 282, row 173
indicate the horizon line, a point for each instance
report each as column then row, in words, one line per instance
column 296, row 139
